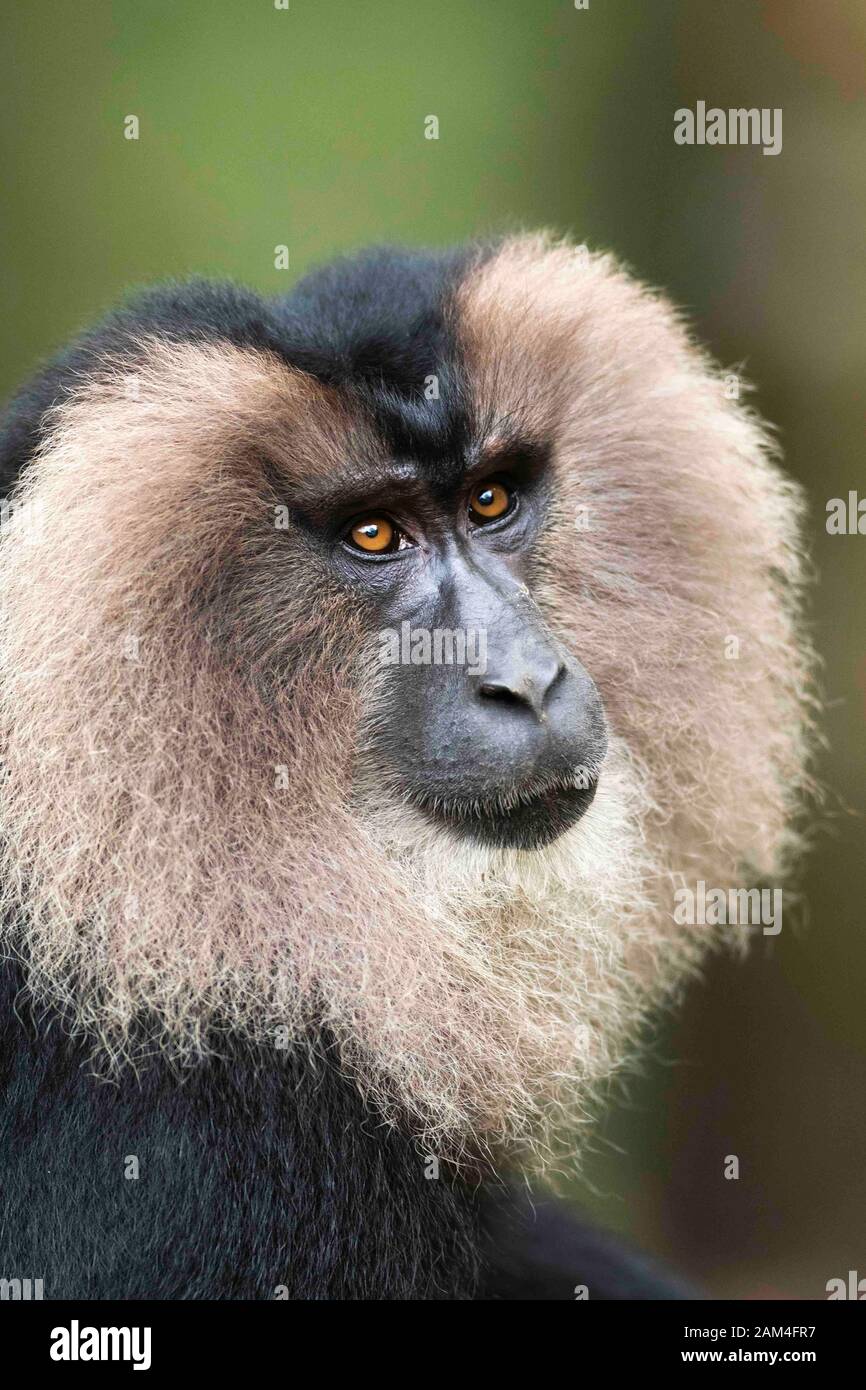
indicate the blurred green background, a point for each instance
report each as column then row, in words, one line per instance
column 304, row 127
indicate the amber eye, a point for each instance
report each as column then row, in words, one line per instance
column 489, row 501
column 374, row 534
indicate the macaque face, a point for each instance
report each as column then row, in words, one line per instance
column 485, row 722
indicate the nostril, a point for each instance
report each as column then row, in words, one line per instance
column 527, row 687
column 559, row 676
column 496, row 690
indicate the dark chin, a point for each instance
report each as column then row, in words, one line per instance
column 530, row 825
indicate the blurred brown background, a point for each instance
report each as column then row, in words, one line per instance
column 304, row 127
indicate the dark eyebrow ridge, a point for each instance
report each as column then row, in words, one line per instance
column 321, row 499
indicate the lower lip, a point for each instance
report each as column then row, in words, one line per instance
column 528, row 825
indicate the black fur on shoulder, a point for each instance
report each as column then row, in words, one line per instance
column 260, row 1176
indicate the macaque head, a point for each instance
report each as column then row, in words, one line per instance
column 376, row 662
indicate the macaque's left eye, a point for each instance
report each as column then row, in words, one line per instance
column 489, row 501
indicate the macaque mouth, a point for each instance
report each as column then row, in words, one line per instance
column 521, row 820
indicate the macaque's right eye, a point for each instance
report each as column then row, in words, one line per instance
column 376, row 535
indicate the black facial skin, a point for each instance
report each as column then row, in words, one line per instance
column 507, row 755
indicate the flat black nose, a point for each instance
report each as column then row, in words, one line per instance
column 526, row 686
column 532, row 712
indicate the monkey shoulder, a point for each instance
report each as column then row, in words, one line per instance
column 540, row 1249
